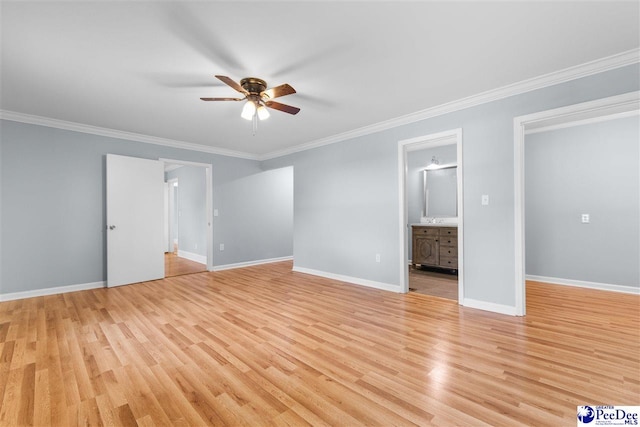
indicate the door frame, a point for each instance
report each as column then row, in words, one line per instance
column 448, row 137
column 208, row 202
column 619, row 105
column 170, row 212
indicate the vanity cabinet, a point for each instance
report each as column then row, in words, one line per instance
column 435, row 246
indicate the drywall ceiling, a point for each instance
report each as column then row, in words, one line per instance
column 141, row 67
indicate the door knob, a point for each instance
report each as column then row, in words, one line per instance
column 112, row 227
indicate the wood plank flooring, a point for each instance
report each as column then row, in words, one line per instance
column 434, row 283
column 177, row 266
column 267, row 346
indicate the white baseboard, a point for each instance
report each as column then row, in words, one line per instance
column 250, row 263
column 349, row 279
column 202, row 259
column 489, row 306
column 583, row 284
column 51, row 291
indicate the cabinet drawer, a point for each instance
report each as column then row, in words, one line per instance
column 449, row 231
column 449, row 262
column 426, row 231
column 448, row 251
column 449, row 241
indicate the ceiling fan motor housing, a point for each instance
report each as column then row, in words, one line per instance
column 253, row 85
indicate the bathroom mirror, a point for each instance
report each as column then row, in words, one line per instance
column 440, row 192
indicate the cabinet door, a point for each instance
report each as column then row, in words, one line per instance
column 426, row 250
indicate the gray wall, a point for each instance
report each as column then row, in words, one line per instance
column 259, row 223
column 592, row 169
column 346, row 194
column 53, row 204
column 191, row 205
column 416, row 162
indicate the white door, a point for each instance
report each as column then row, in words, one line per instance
column 135, row 250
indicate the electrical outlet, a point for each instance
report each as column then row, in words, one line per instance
column 215, row 212
column 485, row 199
column 585, row 218
column 377, row 257
column 222, row 246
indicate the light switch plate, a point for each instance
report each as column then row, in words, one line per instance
column 485, row 199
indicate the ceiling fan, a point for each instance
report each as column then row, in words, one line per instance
column 258, row 97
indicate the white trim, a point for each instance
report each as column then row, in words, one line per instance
column 619, row 103
column 572, row 73
column 349, row 279
column 181, row 163
column 490, row 306
column 169, row 168
column 250, row 263
column 518, row 217
column 51, row 291
column 588, row 121
column 583, row 284
column 202, row 259
column 460, row 189
column 417, row 143
column 208, row 204
column 113, row 133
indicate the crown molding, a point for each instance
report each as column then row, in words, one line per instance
column 113, row 133
column 572, row 73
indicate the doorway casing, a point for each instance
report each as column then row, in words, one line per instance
column 419, row 143
column 208, row 202
column 621, row 105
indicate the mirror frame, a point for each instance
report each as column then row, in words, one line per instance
column 425, row 196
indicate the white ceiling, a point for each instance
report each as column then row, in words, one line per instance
column 141, row 67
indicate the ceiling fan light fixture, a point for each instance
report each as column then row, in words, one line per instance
column 248, row 110
column 258, row 98
column 263, row 113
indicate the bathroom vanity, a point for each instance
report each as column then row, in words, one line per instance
column 435, row 246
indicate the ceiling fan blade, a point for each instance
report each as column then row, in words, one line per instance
column 278, row 91
column 222, row 99
column 282, row 107
column 229, row 82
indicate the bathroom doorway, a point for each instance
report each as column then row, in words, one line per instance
column 432, row 234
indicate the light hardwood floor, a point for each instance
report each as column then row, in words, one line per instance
column 267, row 346
column 177, row 266
column 433, row 282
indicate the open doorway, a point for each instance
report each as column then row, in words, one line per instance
column 188, row 238
column 431, row 215
column 585, row 113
